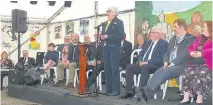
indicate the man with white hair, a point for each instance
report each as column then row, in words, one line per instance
column 150, row 59
column 112, row 34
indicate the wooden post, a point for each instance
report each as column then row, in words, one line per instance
column 82, row 69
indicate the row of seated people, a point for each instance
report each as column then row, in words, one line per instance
column 184, row 55
column 166, row 61
column 7, row 63
column 70, row 58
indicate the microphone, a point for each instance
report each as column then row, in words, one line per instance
column 100, row 25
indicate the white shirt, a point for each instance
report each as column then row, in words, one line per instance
column 26, row 61
column 150, row 54
column 122, row 43
column 153, row 46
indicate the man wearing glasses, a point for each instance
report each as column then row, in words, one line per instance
column 150, row 59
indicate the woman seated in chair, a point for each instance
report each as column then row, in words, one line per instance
column 5, row 64
column 197, row 77
column 51, row 57
column 140, row 41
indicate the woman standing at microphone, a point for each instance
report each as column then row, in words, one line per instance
column 112, row 34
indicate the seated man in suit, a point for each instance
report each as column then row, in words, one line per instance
column 69, row 60
column 150, row 59
column 175, row 60
column 92, row 53
column 26, row 60
column 126, row 50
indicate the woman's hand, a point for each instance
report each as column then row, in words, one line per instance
column 193, row 54
column 199, row 54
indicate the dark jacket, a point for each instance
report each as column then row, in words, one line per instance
column 157, row 53
column 115, row 32
column 8, row 64
column 182, row 52
column 73, row 52
column 31, row 61
column 126, row 51
column 135, row 58
column 92, row 52
column 51, row 55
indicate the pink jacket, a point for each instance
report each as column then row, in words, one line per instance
column 206, row 51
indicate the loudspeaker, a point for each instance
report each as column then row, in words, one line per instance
column 67, row 3
column 16, row 77
column 33, row 2
column 19, row 21
column 51, row 3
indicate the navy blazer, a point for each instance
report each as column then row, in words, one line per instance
column 115, row 32
column 157, row 54
column 182, row 52
column 126, row 51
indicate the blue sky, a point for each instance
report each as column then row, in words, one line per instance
column 173, row 6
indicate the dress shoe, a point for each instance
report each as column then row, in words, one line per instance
column 184, row 103
column 59, row 84
column 145, row 98
column 127, row 95
column 69, row 85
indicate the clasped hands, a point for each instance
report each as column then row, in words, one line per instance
column 65, row 63
column 142, row 63
column 104, row 36
column 196, row 54
column 93, row 63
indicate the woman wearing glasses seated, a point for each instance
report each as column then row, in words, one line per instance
column 5, row 64
column 197, row 77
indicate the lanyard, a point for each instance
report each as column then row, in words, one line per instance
column 176, row 45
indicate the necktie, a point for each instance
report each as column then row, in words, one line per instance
column 24, row 60
column 147, row 53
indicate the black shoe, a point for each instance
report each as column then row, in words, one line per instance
column 127, row 95
column 185, row 103
column 144, row 96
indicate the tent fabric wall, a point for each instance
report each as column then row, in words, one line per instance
column 128, row 19
column 32, row 52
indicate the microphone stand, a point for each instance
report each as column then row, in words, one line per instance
column 96, row 92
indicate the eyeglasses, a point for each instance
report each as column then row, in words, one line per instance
column 108, row 11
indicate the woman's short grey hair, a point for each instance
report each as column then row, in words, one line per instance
column 114, row 10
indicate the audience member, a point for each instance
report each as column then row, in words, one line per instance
column 175, row 60
column 26, row 60
column 66, row 43
column 140, row 41
column 197, row 77
column 150, row 59
column 69, row 60
column 86, row 39
column 92, row 62
column 5, row 64
column 126, row 49
column 51, row 57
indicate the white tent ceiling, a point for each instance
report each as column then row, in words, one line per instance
column 77, row 10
